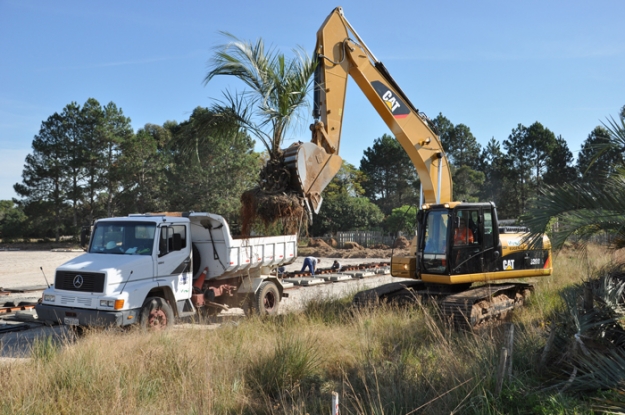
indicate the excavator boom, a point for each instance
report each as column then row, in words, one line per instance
column 341, row 53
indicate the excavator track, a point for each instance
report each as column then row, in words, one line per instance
column 472, row 307
column 465, row 309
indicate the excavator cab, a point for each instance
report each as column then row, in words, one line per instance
column 457, row 240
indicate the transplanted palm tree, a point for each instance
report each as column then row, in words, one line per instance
column 276, row 88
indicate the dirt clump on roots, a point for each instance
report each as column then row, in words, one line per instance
column 270, row 209
column 273, row 201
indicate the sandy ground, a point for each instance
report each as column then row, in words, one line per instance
column 26, row 269
column 22, row 270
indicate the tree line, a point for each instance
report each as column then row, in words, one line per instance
column 87, row 162
column 512, row 173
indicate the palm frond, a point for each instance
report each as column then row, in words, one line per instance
column 616, row 128
column 236, row 108
column 582, row 210
column 277, row 86
column 599, row 371
column 591, row 339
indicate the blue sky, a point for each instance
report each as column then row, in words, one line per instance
column 490, row 65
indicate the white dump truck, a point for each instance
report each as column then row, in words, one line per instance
column 151, row 269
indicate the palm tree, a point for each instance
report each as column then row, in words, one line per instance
column 276, row 88
column 584, row 210
column 275, row 95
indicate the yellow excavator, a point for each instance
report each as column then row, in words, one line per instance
column 457, row 243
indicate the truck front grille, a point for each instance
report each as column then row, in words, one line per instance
column 79, row 281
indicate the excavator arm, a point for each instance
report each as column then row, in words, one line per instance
column 341, row 53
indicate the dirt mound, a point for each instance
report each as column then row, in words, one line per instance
column 317, row 243
column 401, row 243
column 333, row 243
column 380, row 246
column 352, row 245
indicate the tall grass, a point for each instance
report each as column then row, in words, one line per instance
column 383, row 360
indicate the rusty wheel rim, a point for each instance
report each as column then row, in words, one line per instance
column 157, row 319
column 269, row 301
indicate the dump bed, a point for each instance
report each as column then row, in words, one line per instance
column 228, row 257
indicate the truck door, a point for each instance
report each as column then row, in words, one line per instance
column 174, row 260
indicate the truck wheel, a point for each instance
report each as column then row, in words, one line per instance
column 267, row 299
column 156, row 314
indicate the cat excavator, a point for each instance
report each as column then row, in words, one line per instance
column 460, row 256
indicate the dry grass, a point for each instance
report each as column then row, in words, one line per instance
column 384, row 360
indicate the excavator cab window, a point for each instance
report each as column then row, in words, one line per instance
column 466, row 250
column 472, row 234
column 435, row 237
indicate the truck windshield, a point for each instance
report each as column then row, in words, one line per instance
column 126, row 238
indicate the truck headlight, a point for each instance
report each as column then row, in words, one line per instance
column 107, row 303
column 49, row 298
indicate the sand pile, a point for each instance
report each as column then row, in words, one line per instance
column 401, row 243
column 353, row 245
column 318, row 243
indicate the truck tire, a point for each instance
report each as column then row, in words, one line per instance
column 267, row 299
column 156, row 314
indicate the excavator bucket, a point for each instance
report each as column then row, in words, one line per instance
column 312, row 168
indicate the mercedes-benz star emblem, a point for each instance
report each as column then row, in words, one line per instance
column 78, row 280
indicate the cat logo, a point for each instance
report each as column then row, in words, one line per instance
column 392, row 101
column 508, row 264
